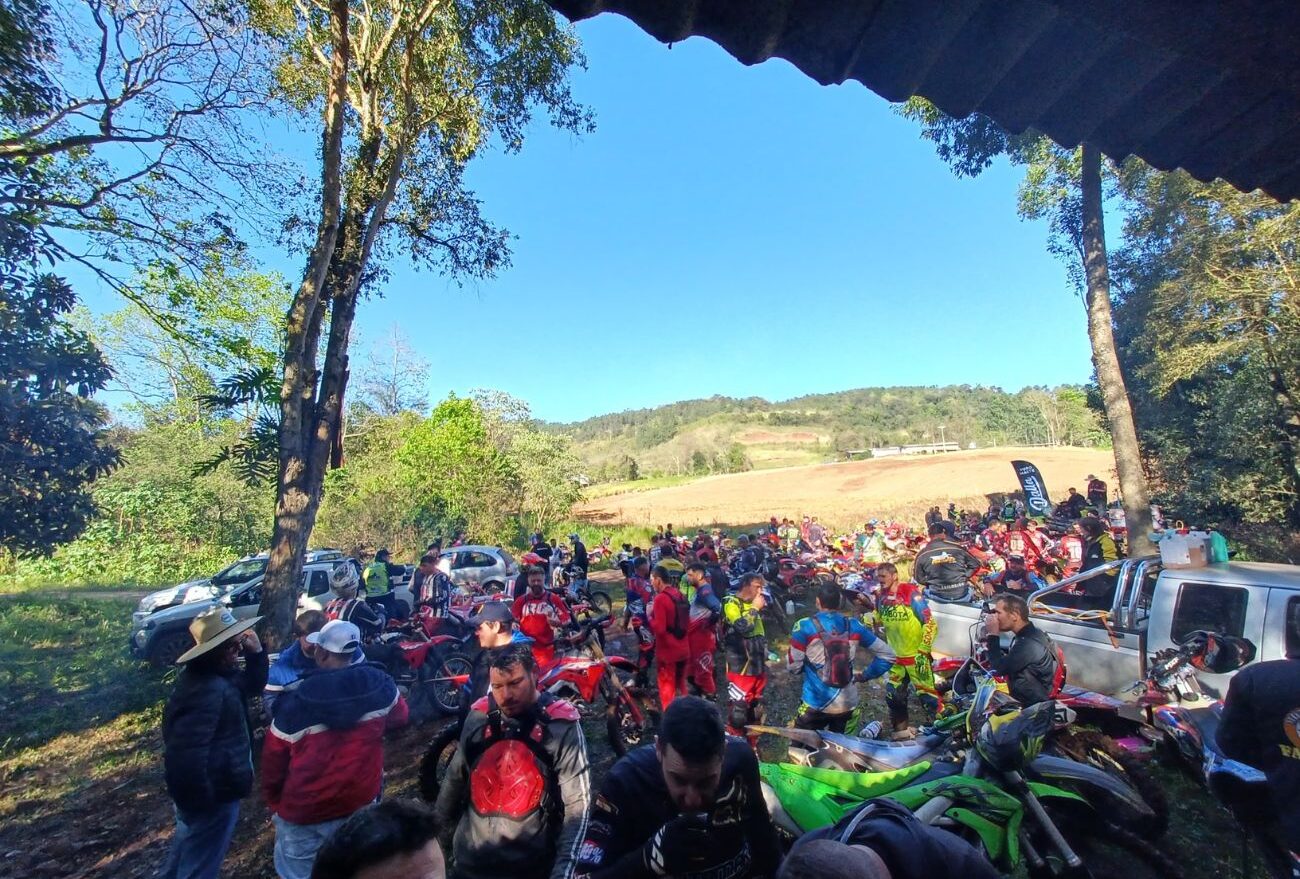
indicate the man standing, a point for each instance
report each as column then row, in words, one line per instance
column 816, row 534
column 379, row 584
column 294, row 661
column 1096, row 493
column 688, row 805
column 1030, row 665
column 702, row 639
column 324, row 754
column 822, row 649
column 514, row 802
column 670, row 620
column 540, row 614
column 207, row 741
column 1261, row 727
column 745, row 645
column 871, row 544
column 579, row 554
column 431, row 586
column 904, row 618
column 944, row 567
column 493, row 627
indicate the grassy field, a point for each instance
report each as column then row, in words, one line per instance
column 844, row 494
column 81, row 791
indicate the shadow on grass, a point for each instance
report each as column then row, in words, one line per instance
column 64, row 667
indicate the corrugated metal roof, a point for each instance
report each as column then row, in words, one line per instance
column 1210, row 87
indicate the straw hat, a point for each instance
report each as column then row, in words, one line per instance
column 213, row 628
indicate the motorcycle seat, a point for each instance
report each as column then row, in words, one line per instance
column 1206, row 721
column 884, row 755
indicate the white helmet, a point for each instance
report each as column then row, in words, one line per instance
column 344, row 580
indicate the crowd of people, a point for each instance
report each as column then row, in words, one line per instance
column 519, row 798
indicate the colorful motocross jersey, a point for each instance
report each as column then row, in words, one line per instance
column 814, row 642
column 872, row 547
column 905, row 619
column 640, row 595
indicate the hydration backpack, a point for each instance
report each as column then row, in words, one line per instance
column 837, row 671
column 680, row 623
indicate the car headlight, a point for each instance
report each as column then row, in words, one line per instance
column 141, row 637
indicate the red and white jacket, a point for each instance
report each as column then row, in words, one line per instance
column 324, row 753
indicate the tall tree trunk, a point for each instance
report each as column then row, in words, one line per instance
column 1105, row 360
column 298, row 486
column 1287, row 419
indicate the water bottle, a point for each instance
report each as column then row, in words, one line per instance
column 870, row 730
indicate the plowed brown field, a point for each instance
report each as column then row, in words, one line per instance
column 844, row 494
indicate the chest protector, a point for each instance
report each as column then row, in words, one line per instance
column 510, row 773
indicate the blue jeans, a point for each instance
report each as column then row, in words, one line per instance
column 200, row 842
column 296, row 845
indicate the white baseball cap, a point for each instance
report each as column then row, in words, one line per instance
column 337, row 636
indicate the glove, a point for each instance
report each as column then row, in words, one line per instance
column 684, row 845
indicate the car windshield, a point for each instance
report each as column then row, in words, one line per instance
column 239, row 572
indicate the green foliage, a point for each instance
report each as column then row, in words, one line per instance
column 157, row 523
column 479, row 465
column 53, row 442
column 1210, row 329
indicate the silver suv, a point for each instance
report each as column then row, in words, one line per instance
column 242, row 572
column 479, row 568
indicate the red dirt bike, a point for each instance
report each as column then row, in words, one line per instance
column 422, row 653
column 582, row 677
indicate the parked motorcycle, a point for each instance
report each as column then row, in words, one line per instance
column 1021, row 806
column 423, row 653
column 576, row 587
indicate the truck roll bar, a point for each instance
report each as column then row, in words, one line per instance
column 1128, row 587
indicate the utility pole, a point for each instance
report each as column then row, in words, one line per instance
column 943, row 438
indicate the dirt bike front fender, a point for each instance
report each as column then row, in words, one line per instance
column 1070, row 771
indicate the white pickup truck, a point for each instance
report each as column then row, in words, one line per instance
column 1153, row 608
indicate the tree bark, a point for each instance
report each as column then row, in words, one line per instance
column 1287, row 418
column 298, row 482
column 1105, row 360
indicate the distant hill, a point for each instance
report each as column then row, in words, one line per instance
column 727, row 434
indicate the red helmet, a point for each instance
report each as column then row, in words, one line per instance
column 530, row 558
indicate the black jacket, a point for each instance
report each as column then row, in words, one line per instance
column 580, row 556
column 633, row 804
column 207, row 739
column 910, row 849
column 1260, row 726
column 1029, row 665
column 944, row 566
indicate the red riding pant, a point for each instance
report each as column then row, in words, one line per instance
column 703, row 642
column 672, row 680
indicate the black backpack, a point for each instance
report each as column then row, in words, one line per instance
column 837, row 672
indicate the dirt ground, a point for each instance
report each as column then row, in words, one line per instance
column 844, row 494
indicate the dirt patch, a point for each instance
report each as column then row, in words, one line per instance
column 843, row 494
column 753, row 437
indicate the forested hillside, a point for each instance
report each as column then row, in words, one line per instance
column 726, row 434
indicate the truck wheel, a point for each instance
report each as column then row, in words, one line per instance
column 168, row 648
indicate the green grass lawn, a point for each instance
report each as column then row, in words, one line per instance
column 64, row 667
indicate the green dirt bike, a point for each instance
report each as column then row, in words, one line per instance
column 988, row 799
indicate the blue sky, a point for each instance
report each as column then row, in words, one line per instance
column 735, row 230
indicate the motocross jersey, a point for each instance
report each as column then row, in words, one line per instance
column 808, row 655
column 745, row 641
column 905, row 619
column 872, row 548
column 633, row 804
column 705, row 606
column 547, row 606
column 640, row 594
